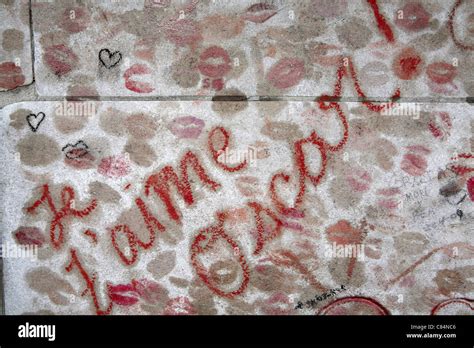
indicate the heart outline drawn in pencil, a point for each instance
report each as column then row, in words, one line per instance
column 79, row 145
column 107, row 58
column 34, row 125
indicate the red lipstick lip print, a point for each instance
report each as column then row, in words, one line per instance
column 415, row 17
column 187, row 127
column 136, row 86
column 375, row 74
column 29, row 236
column 414, row 162
column 207, row 58
column 441, row 72
column 123, row 294
column 10, row 76
column 440, row 125
column 388, row 198
column 327, row 55
column 260, row 13
column 470, row 188
column 183, row 32
column 343, row 233
column 60, row 58
column 288, row 72
column 84, row 162
column 79, row 158
column 359, row 180
column 407, row 65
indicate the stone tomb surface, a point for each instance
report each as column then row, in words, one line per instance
column 237, row 208
column 279, row 48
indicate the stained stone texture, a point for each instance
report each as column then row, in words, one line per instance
column 414, row 49
column 206, row 207
column 15, row 49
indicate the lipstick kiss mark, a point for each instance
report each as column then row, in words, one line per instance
column 123, row 294
column 188, row 127
column 75, row 151
column 11, row 76
column 470, row 188
column 60, row 59
column 137, row 86
column 440, row 125
column 29, row 236
column 441, row 72
column 260, row 13
column 288, row 72
column 414, row 162
column 214, row 62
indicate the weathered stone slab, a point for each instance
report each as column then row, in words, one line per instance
column 280, row 48
column 15, row 49
column 267, row 195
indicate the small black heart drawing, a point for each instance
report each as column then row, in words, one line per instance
column 76, row 150
column 109, row 59
column 34, row 121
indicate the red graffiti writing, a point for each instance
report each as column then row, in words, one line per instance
column 203, row 242
column 160, row 183
column 67, row 199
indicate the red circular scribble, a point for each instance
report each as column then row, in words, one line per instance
column 464, row 301
column 202, row 244
column 451, row 18
column 334, row 308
